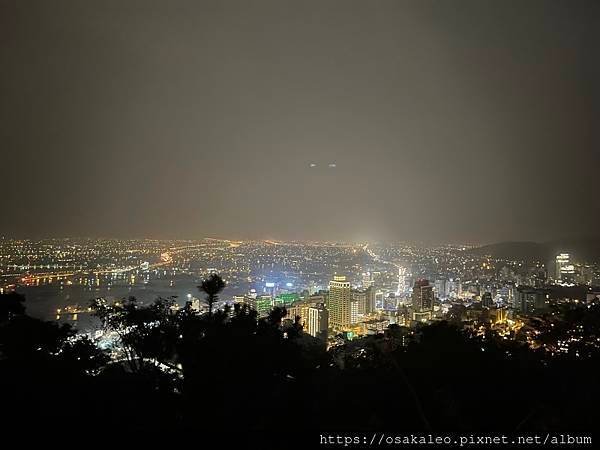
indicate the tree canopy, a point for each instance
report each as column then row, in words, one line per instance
column 188, row 370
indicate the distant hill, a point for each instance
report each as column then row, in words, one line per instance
column 582, row 249
column 514, row 250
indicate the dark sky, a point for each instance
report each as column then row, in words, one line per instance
column 457, row 121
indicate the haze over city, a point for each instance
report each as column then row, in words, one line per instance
column 263, row 222
column 475, row 122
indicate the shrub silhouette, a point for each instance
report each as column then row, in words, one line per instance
column 175, row 368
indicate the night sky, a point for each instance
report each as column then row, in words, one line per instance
column 448, row 121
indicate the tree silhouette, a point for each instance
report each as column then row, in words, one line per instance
column 147, row 335
column 40, row 362
column 11, row 305
column 188, row 370
column 212, row 286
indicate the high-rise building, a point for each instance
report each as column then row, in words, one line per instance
column 486, row 300
column 367, row 280
column 339, row 303
column 568, row 274
column 529, row 300
column 370, row 300
column 402, row 275
column 584, row 273
column 422, row 300
column 562, row 260
column 285, row 300
column 440, row 289
column 379, row 300
column 354, row 311
column 298, row 309
column 361, row 298
column 261, row 303
column 318, row 320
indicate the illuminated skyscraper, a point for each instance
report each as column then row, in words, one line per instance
column 318, row 320
column 563, row 260
column 261, row 303
column 360, row 297
column 354, row 311
column 298, row 309
column 379, row 300
column 568, row 274
column 285, row 300
column 441, row 289
column 339, row 303
column 422, row 300
column 402, row 287
column 370, row 300
column 367, row 280
column 529, row 301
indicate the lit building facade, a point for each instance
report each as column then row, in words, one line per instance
column 339, row 303
column 318, row 321
column 562, row 261
column 529, row 301
column 422, row 300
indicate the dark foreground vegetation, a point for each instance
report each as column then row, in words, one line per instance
column 178, row 370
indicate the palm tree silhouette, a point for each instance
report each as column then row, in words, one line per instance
column 211, row 286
